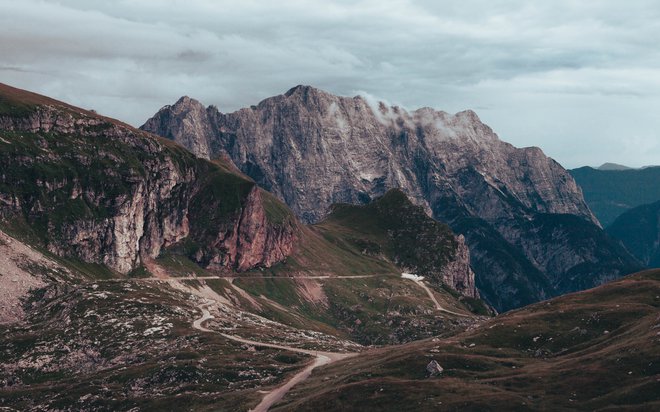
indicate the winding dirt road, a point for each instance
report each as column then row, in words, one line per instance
column 438, row 306
column 321, row 358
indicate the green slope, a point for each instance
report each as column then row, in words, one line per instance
column 391, row 226
column 375, row 242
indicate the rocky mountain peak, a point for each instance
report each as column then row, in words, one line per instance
column 370, row 147
column 312, row 149
column 187, row 119
column 470, row 115
column 303, row 90
column 186, row 102
column 613, row 166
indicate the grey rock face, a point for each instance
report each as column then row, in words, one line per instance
column 458, row 274
column 434, row 368
column 313, row 149
column 188, row 123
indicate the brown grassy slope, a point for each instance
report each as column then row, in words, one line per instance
column 594, row 350
column 14, row 101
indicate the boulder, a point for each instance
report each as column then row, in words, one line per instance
column 434, row 368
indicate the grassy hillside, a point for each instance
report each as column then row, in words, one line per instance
column 392, row 227
column 58, row 181
column 378, row 310
column 375, row 242
column 609, row 193
column 592, row 350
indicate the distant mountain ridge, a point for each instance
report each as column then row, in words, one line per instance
column 639, row 230
column 616, row 166
column 613, row 166
column 312, row 149
column 611, row 192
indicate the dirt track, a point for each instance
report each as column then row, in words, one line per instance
column 437, row 304
column 321, row 358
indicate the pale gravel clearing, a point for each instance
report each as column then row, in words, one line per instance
column 16, row 280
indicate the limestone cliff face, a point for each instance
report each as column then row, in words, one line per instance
column 249, row 240
column 458, row 273
column 106, row 193
column 146, row 220
column 313, row 149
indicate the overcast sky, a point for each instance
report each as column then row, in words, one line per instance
column 580, row 79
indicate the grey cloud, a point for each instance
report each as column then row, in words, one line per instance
column 550, row 74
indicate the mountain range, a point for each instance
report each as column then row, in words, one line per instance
column 610, row 192
column 530, row 233
column 88, row 190
column 613, row 166
column 138, row 275
column 639, row 230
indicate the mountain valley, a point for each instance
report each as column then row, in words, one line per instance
column 284, row 264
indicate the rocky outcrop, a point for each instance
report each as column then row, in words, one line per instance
column 188, row 123
column 145, row 220
column 458, row 273
column 250, row 240
column 313, row 149
column 393, row 227
column 103, row 192
column 434, row 368
column 18, row 276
